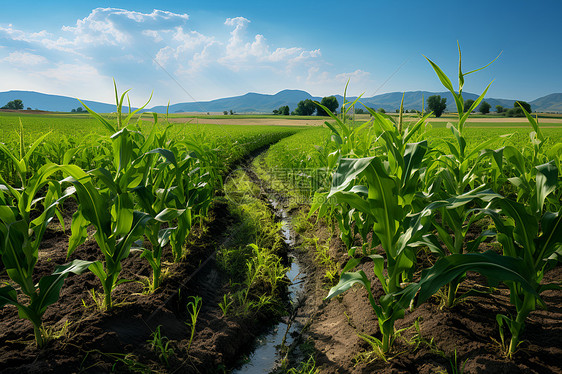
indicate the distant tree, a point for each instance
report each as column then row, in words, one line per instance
column 231, row 112
column 79, row 109
column 224, row 112
column 436, row 104
column 28, row 108
column 514, row 112
column 359, row 111
column 484, row 107
column 467, row 104
column 329, row 102
column 16, row 104
column 72, row 110
column 381, row 110
column 524, row 104
column 275, row 112
column 499, row 109
column 283, row 110
column 305, row 108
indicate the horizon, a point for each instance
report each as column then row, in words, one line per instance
column 195, row 54
column 258, row 93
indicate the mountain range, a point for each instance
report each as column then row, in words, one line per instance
column 263, row 103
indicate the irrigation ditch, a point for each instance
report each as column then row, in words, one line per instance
column 210, row 315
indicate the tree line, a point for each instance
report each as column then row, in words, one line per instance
column 308, row 107
column 438, row 104
column 17, row 104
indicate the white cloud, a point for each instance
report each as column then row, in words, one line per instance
column 24, row 58
column 245, row 54
column 119, row 27
column 153, row 34
column 354, row 77
column 133, row 47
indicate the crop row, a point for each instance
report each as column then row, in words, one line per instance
column 137, row 184
column 401, row 188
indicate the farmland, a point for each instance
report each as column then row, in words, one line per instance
column 150, row 244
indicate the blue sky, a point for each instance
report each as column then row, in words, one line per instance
column 202, row 50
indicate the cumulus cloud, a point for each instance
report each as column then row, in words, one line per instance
column 244, row 53
column 119, row 27
column 136, row 46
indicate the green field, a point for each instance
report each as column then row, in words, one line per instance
column 424, row 202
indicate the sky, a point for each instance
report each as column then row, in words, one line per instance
column 184, row 51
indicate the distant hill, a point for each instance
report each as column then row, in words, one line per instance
column 262, row 103
column 548, row 103
column 414, row 99
column 250, row 102
column 52, row 103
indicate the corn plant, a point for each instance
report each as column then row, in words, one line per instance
column 106, row 201
column 191, row 193
column 116, row 222
column 21, row 161
column 458, row 176
column 20, row 238
column 193, row 308
column 533, row 234
column 532, row 244
column 383, row 200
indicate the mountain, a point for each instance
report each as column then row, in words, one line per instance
column 262, row 103
column 548, row 103
column 414, row 99
column 52, row 103
column 250, row 102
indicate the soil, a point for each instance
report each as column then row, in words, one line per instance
column 469, row 328
column 97, row 342
column 117, row 339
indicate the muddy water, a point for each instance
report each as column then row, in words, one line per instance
column 269, row 349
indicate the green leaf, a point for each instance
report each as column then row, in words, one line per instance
column 347, row 280
column 445, row 81
column 164, row 235
column 8, row 295
column 551, row 239
column 495, row 267
column 97, row 269
column 348, row 170
column 50, row 286
column 167, row 154
column 547, row 182
column 78, row 227
column 413, row 156
column 102, row 120
column 169, row 214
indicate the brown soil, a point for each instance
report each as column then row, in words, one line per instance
column 102, row 342
column 469, row 328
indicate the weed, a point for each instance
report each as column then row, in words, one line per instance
column 226, row 303
column 161, row 346
column 193, row 308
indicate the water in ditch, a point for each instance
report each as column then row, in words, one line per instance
column 268, row 352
